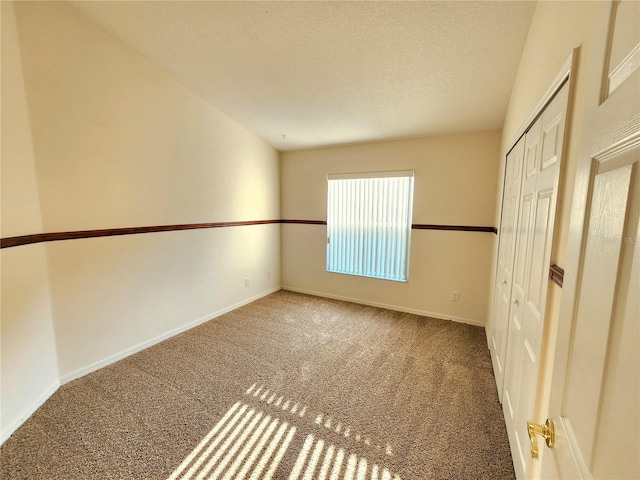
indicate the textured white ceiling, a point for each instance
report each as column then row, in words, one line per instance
column 326, row 73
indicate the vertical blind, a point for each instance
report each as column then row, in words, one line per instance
column 369, row 224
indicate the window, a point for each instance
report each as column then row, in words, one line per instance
column 369, row 224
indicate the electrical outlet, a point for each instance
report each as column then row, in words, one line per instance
column 247, row 282
column 455, row 296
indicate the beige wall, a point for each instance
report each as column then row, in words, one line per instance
column 556, row 29
column 116, row 142
column 455, row 183
column 28, row 363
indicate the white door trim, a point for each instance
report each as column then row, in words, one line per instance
column 563, row 74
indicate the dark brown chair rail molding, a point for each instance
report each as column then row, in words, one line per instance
column 461, row 228
column 305, row 222
column 556, row 274
column 110, row 232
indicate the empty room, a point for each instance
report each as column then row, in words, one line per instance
column 326, row 240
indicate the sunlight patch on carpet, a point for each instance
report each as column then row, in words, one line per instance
column 249, row 443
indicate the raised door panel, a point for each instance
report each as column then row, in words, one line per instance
column 606, row 222
column 599, row 418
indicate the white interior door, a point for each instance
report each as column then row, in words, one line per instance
column 534, row 235
column 504, row 272
column 595, row 402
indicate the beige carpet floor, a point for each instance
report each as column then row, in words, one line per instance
column 288, row 387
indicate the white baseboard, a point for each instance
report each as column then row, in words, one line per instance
column 80, row 372
column 27, row 412
column 398, row 308
column 30, row 410
column 8, row 431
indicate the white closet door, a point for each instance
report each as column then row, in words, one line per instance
column 506, row 249
column 534, row 235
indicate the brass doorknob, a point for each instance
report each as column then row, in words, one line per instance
column 516, row 302
column 546, row 431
